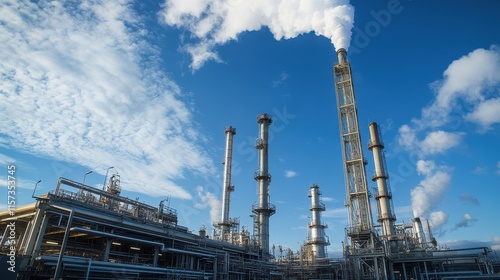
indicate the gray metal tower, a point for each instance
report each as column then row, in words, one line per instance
column 227, row 188
column 263, row 209
column 383, row 196
column 317, row 239
column 358, row 200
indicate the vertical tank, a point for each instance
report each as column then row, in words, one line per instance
column 227, row 188
column 263, row 209
column 418, row 231
column 383, row 196
column 360, row 228
column 317, row 240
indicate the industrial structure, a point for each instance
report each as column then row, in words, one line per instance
column 225, row 230
column 76, row 231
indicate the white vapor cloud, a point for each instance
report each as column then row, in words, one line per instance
column 437, row 219
column 209, row 200
column 498, row 168
column 428, row 193
column 216, row 22
column 80, row 84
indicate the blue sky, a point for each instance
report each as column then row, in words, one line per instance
column 149, row 88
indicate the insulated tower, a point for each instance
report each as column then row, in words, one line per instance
column 357, row 201
column 383, row 196
column 317, row 239
column 227, row 188
column 263, row 210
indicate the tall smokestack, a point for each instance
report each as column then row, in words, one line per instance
column 418, row 231
column 360, row 228
column 342, row 56
column 383, row 196
column 316, row 229
column 227, row 188
column 263, row 209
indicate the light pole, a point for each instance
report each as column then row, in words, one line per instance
column 33, row 195
column 105, row 178
column 88, row 172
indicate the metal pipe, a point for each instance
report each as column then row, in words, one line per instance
column 57, row 273
column 227, row 188
column 106, row 177
column 138, row 240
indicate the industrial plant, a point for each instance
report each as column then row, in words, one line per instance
column 77, row 231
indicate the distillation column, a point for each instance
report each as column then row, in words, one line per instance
column 357, row 201
column 383, row 196
column 227, row 188
column 318, row 241
column 263, row 209
column 418, row 232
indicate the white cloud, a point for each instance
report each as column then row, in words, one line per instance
column 87, row 90
column 439, row 141
column 429, row 192
column 485, row 113
column 216, row 22
column 434, row 142
column 469, row 89
column 290, row 173
column 469, row 79
column 498, row 168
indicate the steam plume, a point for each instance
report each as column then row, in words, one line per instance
column 208, row 199
column 429, row 192
column 215, row 22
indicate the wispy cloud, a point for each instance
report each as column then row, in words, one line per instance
column 81, row 84
column 335, row 213
column 281, row 80
column 467, row 197
column 5, row 160
column 466, row 221
column 327, row 199
column 290, row 173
